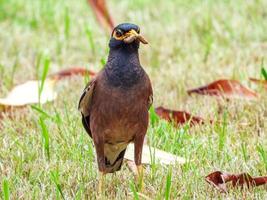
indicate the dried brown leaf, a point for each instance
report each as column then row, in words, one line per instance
column 65, row 73
column 101, row 12
column 178, row 117
column 230, row 89
column 219, row 179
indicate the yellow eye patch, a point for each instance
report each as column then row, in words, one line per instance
column 129, row 37
column 118, row 35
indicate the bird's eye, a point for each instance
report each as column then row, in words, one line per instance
column 118, row 33
column 138, row 31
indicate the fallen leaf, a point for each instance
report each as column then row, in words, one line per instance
column 178, row 117
column 102, row 15
column 219, row 179
column 151, row 154
column 72, row 72
column 260, row 82
column 28, row 93
column 230, row 89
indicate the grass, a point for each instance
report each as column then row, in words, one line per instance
column 5, row 190
column 190, row 43
column 43, row 76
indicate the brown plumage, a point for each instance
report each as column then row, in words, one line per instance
column 115, row 104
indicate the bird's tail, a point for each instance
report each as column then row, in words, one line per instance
column 116, row 165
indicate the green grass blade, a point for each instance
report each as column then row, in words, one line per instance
column 89, row 35
column 222, row 132
column 168, row 185
column 263, row 154
column 44, row 75
column 14, row 69
column 45, row 136
column 6, row 190
column 38, row 63
column 42, row 112
column 54, row 177
column 103, row 62
column 132, row 186
column 264, row 73
column 244, row 152
column 154, row 118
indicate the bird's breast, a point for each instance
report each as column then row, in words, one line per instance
column 119, row 114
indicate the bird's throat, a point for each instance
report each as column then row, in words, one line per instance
column 123, row 68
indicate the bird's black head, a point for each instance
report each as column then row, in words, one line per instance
column 126, row 35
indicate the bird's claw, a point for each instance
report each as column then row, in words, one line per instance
column 139, row 178
column 101, row 183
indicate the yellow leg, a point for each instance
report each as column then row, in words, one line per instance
column 101, row 183
column 139, row 178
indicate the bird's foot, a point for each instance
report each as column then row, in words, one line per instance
column 139, row 178
column 101, row 184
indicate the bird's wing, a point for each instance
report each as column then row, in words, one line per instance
column 150, row 100
column 85, row 104
column 150, row 97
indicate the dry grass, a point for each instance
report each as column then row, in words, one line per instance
column 191, row 43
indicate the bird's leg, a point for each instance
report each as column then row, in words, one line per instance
column 101, row 182
column 138, row 147
column 99, row 145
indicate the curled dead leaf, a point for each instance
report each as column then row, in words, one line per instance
column 101, row 12
column 178, row 117
column 229, row 89
column 72, row 72
column 260, row 82
column 219, row 179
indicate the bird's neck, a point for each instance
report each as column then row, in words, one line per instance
column 124, row 55
column 123, row 68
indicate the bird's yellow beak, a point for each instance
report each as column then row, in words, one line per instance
column 133, row 35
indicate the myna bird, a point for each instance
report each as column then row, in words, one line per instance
column 115, row 104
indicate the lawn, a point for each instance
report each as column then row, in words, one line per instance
column 191, row 43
